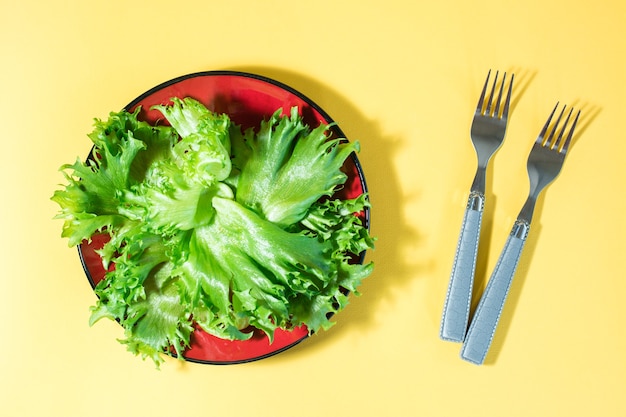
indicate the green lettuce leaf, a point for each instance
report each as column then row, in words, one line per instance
column 289, row 167
column 213, row 227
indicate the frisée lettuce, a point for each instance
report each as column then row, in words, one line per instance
column 214, row 227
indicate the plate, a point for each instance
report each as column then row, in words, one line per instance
column 248, row 99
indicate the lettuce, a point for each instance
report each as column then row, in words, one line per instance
column 214, row 227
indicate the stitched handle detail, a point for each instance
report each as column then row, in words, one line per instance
column 483, row 327
column 458, row 298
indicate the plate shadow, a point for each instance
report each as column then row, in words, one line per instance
column 387, row 221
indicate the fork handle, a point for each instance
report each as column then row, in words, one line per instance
column 485, row 320
column 458, row 298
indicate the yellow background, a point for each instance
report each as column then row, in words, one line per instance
column 403, row 78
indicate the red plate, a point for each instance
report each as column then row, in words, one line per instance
column 247, row 99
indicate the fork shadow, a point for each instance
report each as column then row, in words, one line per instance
column 387, row 223
column 588, row 114
column 523, row 79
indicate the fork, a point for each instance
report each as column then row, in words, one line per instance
column 487, row 134
column 544, row 164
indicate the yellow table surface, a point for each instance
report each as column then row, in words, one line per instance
column 402, row 77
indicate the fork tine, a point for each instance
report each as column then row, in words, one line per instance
column 551, row 142
column 507, row 103
column 481, row 100
column 570, row 134
column 493, row 89
column 496, row 112
column 542, row 134
column 557, row 142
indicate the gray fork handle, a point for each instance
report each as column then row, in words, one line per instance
column 485, row 321
column 457, row 305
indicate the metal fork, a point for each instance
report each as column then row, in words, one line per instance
column 487, row 134
column 544, row 164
